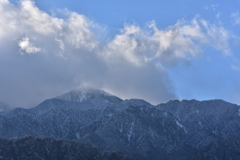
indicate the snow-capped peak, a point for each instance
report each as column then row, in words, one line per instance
column 80, row 95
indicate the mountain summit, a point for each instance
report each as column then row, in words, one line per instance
column 80, row 95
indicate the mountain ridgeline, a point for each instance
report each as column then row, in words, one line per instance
column 176, row 130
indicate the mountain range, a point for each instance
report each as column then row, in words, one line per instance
column 187, row 129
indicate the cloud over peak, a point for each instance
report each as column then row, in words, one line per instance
column 68, row 54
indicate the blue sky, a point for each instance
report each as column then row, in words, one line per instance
column 153, row 50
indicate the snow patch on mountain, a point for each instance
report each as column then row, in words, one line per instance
column 130, row 132
column 83, row 94
column 77, row 135
column 179, row 124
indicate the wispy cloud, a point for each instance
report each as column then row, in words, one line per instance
column 235, row 67
column 212, row 7
column 236, row 17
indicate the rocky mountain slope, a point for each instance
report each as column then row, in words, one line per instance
column 224, row 149
column 210, row 120
column 29, row 148
column 174, row 130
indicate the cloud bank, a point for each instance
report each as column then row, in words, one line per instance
column 43, row 55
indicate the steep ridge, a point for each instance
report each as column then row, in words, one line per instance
column 174, row 130
column 29, row 148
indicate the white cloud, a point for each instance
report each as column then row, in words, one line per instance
column 27, row 46
column 132, row 65
column 176, row 43
column 38, row 20
column 125, row 45
column 78, row 32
